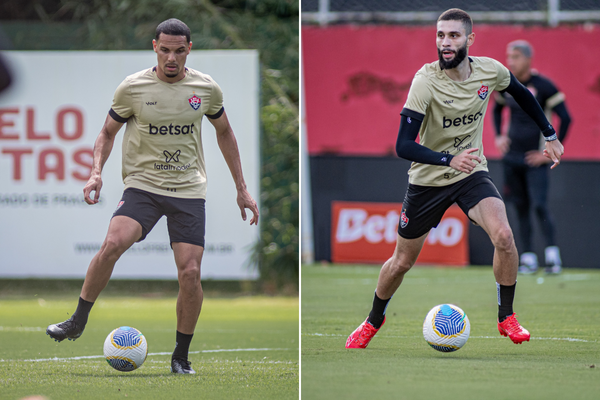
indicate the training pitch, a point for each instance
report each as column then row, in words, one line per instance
column 562, row 360
column 243, row 348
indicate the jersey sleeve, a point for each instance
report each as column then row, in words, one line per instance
column 216, row 101
column 503, row 77
column 419, row 95
column 122, row 107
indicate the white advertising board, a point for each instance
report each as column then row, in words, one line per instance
column 49, row 120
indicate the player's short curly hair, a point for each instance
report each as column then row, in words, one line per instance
column 175, row 27
column 456, row 14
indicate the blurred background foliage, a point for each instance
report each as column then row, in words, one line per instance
column 271, row 26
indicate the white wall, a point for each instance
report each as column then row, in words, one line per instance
column 46, row 230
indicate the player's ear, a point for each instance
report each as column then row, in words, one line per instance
column 154, row 44
column 470, row 39
column 190, row 46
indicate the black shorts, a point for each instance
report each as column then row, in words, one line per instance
column 185, row 217
column 424, row 206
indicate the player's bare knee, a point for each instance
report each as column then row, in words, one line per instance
column 399, row 266
column 112, row 249
column 189, row 272
column 503, row 239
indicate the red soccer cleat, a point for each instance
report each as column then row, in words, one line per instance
column 360, row 338
column 510, row 327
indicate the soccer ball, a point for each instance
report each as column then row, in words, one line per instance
column 125, row 349
column 446, row 328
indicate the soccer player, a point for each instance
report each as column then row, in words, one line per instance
column 164, row 174
column 525, row 167
column 445, row 106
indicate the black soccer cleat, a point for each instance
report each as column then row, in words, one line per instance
column 65, row 330
column 181, row 366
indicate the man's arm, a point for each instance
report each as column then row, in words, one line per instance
column 102, row 149
column 229, row 148
column 554, row 149
column 502, row 141
column 407, row 148
column 565, row 120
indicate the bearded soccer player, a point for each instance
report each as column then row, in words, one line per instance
column 164, row 174
column 446, row 105
column 525, row 167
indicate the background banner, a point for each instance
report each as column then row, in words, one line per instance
column 367, row 232
column 49, row 120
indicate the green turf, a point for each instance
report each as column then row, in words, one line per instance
column 562, row 360
column 243, row 348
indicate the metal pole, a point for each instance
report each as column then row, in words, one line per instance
column 553, row 12
column 323, row 12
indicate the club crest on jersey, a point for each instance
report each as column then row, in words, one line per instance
column 482, row 92
column 195, row 102
column 403, row 219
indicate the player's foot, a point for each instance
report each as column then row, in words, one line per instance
column 510, row 327
column 555, row 269
column 528, row 263
column 525, row 270
column 360, row 338
column 181, row 366
column 65, row 330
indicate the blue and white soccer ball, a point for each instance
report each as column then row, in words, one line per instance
column 446, row 328
column 125, row 349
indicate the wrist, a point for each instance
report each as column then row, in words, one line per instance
column 549, row 133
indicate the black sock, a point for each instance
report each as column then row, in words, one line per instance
column 182, row 346
column 377, row 313
column 506, row 295
column 80, row 316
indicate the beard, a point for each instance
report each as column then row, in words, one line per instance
column 459, row 56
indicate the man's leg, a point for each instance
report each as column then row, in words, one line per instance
column 490, row 214
column 538, row 187
column 516, row 191
column 188, row 258
column 391, row 276
column 122, row 233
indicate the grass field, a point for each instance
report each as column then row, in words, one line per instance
column 562, row 360
column 243, row 348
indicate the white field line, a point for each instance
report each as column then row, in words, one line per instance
column 474, row 337
column 150, row 354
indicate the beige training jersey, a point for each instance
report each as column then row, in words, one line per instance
column 454, row 113
column 162, row 145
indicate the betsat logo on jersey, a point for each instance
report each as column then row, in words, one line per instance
column 446, row 328
column 171, row 129
column 125, row 349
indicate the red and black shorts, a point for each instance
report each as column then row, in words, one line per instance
column 185, row 217
column 424, row 206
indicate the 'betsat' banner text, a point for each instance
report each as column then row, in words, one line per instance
column 49, row 120
column 367, row 232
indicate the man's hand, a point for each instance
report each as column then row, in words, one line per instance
column 244, row 201
column 94, row 184
column 465, row 161
column 502, row 144
column 554, row 151
column 536, row 158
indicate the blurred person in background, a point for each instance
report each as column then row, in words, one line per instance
column 164, row 174
column 524, row 165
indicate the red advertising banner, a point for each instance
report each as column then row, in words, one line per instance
column 356, row 80
column 366, row 232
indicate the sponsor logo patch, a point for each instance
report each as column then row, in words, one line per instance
column 195, row 102
column 482, row 92
column 171, row 157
